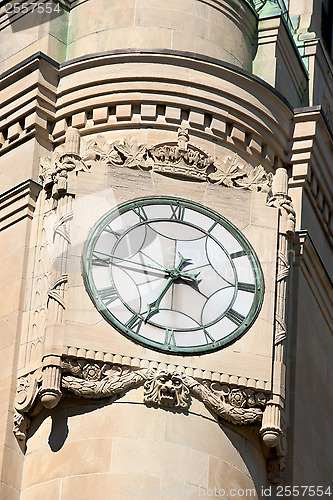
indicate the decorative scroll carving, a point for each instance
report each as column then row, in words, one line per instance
column 27, row 391
column 164, row 388
column 217, row 402
column 25, row 399
column 56, row 169
column 21, row 425
column 284, row 203
column 180, row 159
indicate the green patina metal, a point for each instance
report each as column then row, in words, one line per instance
column 132, row 327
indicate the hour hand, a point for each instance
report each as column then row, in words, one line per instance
column 153, row 308
column 177, row 271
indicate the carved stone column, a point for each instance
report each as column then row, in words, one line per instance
column 272, row 428
column 50, row 392
column 60, row 182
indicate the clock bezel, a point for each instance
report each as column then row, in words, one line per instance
column 215, row 216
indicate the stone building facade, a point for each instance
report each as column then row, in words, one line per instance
column 130, row 131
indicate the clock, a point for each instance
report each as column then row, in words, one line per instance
column 173, row 275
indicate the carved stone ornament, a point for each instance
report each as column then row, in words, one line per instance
column 164, row 388
column 57, row 170
column 25, row 400
column 180, row 159
column 284, row 203
column 167, row 388
column 171, row 389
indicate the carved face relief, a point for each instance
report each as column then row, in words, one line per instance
column 165, row 388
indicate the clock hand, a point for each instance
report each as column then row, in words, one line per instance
column 151, row 266
column 174, row 274
column 160, row 274
column 184, row 275
column 177, row 272
column 154, row 306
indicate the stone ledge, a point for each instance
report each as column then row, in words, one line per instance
column 18, row 203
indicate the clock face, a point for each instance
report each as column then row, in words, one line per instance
column 173, row 275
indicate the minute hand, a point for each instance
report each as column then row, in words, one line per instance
column 143, row 264
column 175, row 273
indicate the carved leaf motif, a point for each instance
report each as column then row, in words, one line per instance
column 104, row 388
column 132, row 153
column 233, row 414
column 227, row 173
column 254, row 178
column 101, row 150
column 232, row 174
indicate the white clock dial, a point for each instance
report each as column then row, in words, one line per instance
column 173, row 275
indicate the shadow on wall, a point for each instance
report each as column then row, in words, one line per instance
column 23, row 17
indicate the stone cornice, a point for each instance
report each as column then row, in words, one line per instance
column 46, row 107
column 18, row 203
column 311, row 154
column 28, row 101
column 104, row 59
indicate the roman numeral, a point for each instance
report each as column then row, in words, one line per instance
column 208, row 337
column 235, row 255
column 247, row 287
column 108, row 295
column 235, row 317
column 140, row 212
column 134, row 323
column 100, row 260
column 178, row 212
column 169, row 337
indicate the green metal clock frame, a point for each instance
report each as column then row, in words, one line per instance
column 176, row 205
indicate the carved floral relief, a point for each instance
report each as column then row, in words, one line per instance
column 180, row 159
column 164, row 388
